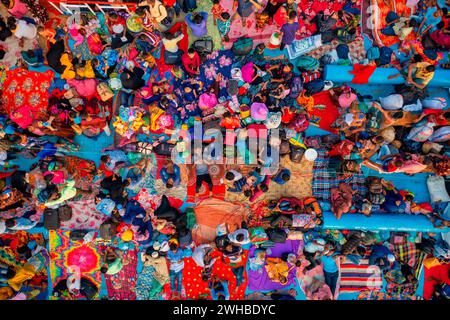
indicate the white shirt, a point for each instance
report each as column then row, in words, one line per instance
column 172, row 44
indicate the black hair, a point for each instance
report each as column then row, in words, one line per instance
column 444, row 11
column 263, row 187
column 285, row 177
column 191, row 50
column 173, row 246
column 11, row 22
column 398, row 115
column 169, row 185
column 220, row 296
column 104, row 158
column 431, row 68
column 225, row 15
column 440, row 25
column 292, row 14
column 104, row 269
column 298, row 263
column 240, row 237
column 229, row 175
column 417, row 58
column 197, row 19
column 248, row 193
column 2, row 54
column 9, row 223
column 215, row 1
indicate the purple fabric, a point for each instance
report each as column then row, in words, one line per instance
column 289, row 30
column 261, row 281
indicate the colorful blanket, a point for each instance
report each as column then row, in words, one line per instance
column 196, row 288
column 65, row 253
column 325, row 178
column 325, row 111
column 84, row 216
column 217, row 62
column 360, row 277
column 26, row 92
column 121, row 286
column 259, row 279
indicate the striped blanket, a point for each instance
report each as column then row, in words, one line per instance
column 360, row 277
column 325, row 177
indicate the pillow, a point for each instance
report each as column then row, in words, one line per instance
column 392, row 102
column 434, row 103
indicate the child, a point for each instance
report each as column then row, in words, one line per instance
column 175, row 256
column 288, row 30
column 216, row 10
column 224, row 25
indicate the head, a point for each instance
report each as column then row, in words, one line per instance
column 229, row 176
column 225, row 16
column 285, row 177
column 9, row 223
column 430, row 68
column 173, row 247
column 191, row 52
column 292, row 15
column 264, row 188
column 169, row 184
column 398, row 163
column 248, row 193
column 283, row 280
column 198, row 19
column 240, row 237
column 104, row 268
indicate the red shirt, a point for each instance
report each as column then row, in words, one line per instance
column 191, row 63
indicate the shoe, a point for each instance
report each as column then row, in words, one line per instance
column 328, row 85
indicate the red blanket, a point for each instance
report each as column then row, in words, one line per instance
column 362, row 73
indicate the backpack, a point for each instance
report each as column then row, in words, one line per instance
column 296, row 87
column 242, row 46
column 108, row 230
column 203, row 47
column 65, row 213
column 51, row 219
column 314, row 86
column 296, row 154
column 277, row 235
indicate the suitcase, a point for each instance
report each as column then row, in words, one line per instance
column 51, row 219
column 65, row 213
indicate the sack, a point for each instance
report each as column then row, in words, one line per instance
column 207, row 101
column 441, row 135
column 392, row 102
column 65, row 213
column 296, row 87
column 434, row 103
column 108, row 230
column 296, row 154
column 51, row 219
column 437, row 190
column 104, row 91
column 242, row 46
column 277, row 235
column 203, row 47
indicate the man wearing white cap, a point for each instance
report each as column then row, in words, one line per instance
column 383, row 257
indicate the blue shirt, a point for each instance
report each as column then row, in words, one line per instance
column 329, row 265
